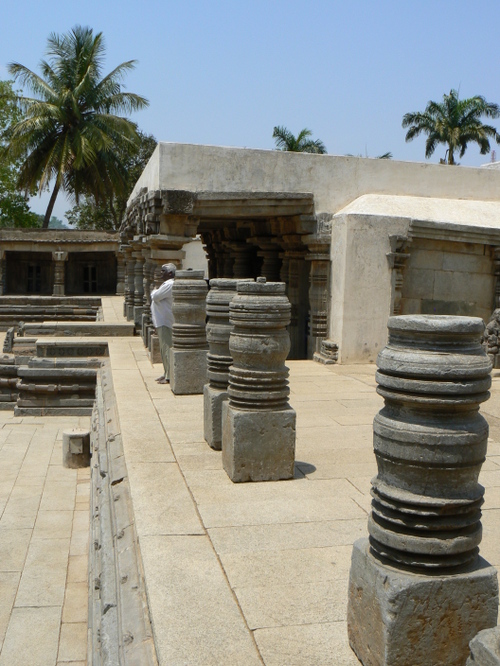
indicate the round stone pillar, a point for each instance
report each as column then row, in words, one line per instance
column 59, row 259
column 412, row 582
column 188, row 356
column 222, row 292
column 258, row 437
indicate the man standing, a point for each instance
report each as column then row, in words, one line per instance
column 163, row 318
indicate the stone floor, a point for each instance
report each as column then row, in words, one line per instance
column 44, row 528
column 236, row 574
column 243, row 574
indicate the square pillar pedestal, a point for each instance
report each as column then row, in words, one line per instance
column 397, row 618
column 188, row 371
column 258, row 445
column 213, row 400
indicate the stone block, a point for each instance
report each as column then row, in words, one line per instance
column 485, row 648
column 138, row 310
column 188, row 371
column 258, row 445
column 154, row 349
column 212, row 416
column 397, row 618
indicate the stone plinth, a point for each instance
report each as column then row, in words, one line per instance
column 258, row 431
column 55, row 391
column 76, row 448
column 221, row 293
column 8, row 382
column 188, row 356
column 418, row 592
column 485, row 648
column 400, row 618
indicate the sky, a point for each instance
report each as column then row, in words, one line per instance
column 225, row 72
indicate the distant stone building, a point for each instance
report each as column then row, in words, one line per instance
column 59, row 262
column 355, row 239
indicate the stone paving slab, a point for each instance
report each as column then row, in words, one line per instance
column 44, row 511
column 274, row 557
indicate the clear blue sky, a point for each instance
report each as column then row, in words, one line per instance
column 224, row 72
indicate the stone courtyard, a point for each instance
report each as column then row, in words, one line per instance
column 252, row 573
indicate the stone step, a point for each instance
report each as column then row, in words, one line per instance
column 81, row 329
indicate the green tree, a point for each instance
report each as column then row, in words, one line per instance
column 454, row 122
column 302, row 143
column 14, row 209
column 70, row 133
column 108, row 215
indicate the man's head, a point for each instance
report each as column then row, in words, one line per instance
column 168, row 271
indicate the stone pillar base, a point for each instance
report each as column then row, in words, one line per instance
column 138, row 310
column 130, row 313
column 212, row 416
column 76, row 448
column 258, row 445
column 485, row 648
column 154, row 349
column 188, row 371
column 396, row 618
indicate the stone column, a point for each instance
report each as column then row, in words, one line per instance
column 319, row 297
column 219, row 359
column 243, row 256
column 147, row 281
column 188, row 356
column 138, row 287
column 398, row 258
column 270, row 254
column 418, row 591
column 2, row 273
column 130, row 284
column 120, row 274
column 59, row 259
column 258, row 424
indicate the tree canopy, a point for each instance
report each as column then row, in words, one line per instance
column 69, row 133
column 455, row 123
column 14, row 209
column 108, row 215
column 302, row 143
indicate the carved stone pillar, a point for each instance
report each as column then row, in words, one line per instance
column 397, row 258
column 120, row 274
column 243, row 256
column 188, row 356
column 221, row 293
column 147, row 281
column 418, row 592
column 269, row 251
column 258, row 431
column 319, row 297
column 138, row 286
column 59, row 259
column 2, row 273
column 130, row 283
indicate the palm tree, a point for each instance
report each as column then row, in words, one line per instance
column 70, row 133
column 454, row 122
column 285, row 140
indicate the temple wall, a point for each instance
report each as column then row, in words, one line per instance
column 444, row 277
column 334, row 180
column 361, row 284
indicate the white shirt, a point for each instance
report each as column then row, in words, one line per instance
column 161, row 305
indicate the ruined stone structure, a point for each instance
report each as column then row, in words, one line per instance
column 59, row 262
column 355, row 240
column 418, row 591
column 258, row 424
column 188, row 356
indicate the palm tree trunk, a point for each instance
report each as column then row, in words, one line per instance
column 451, row 159
column 50, row 207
